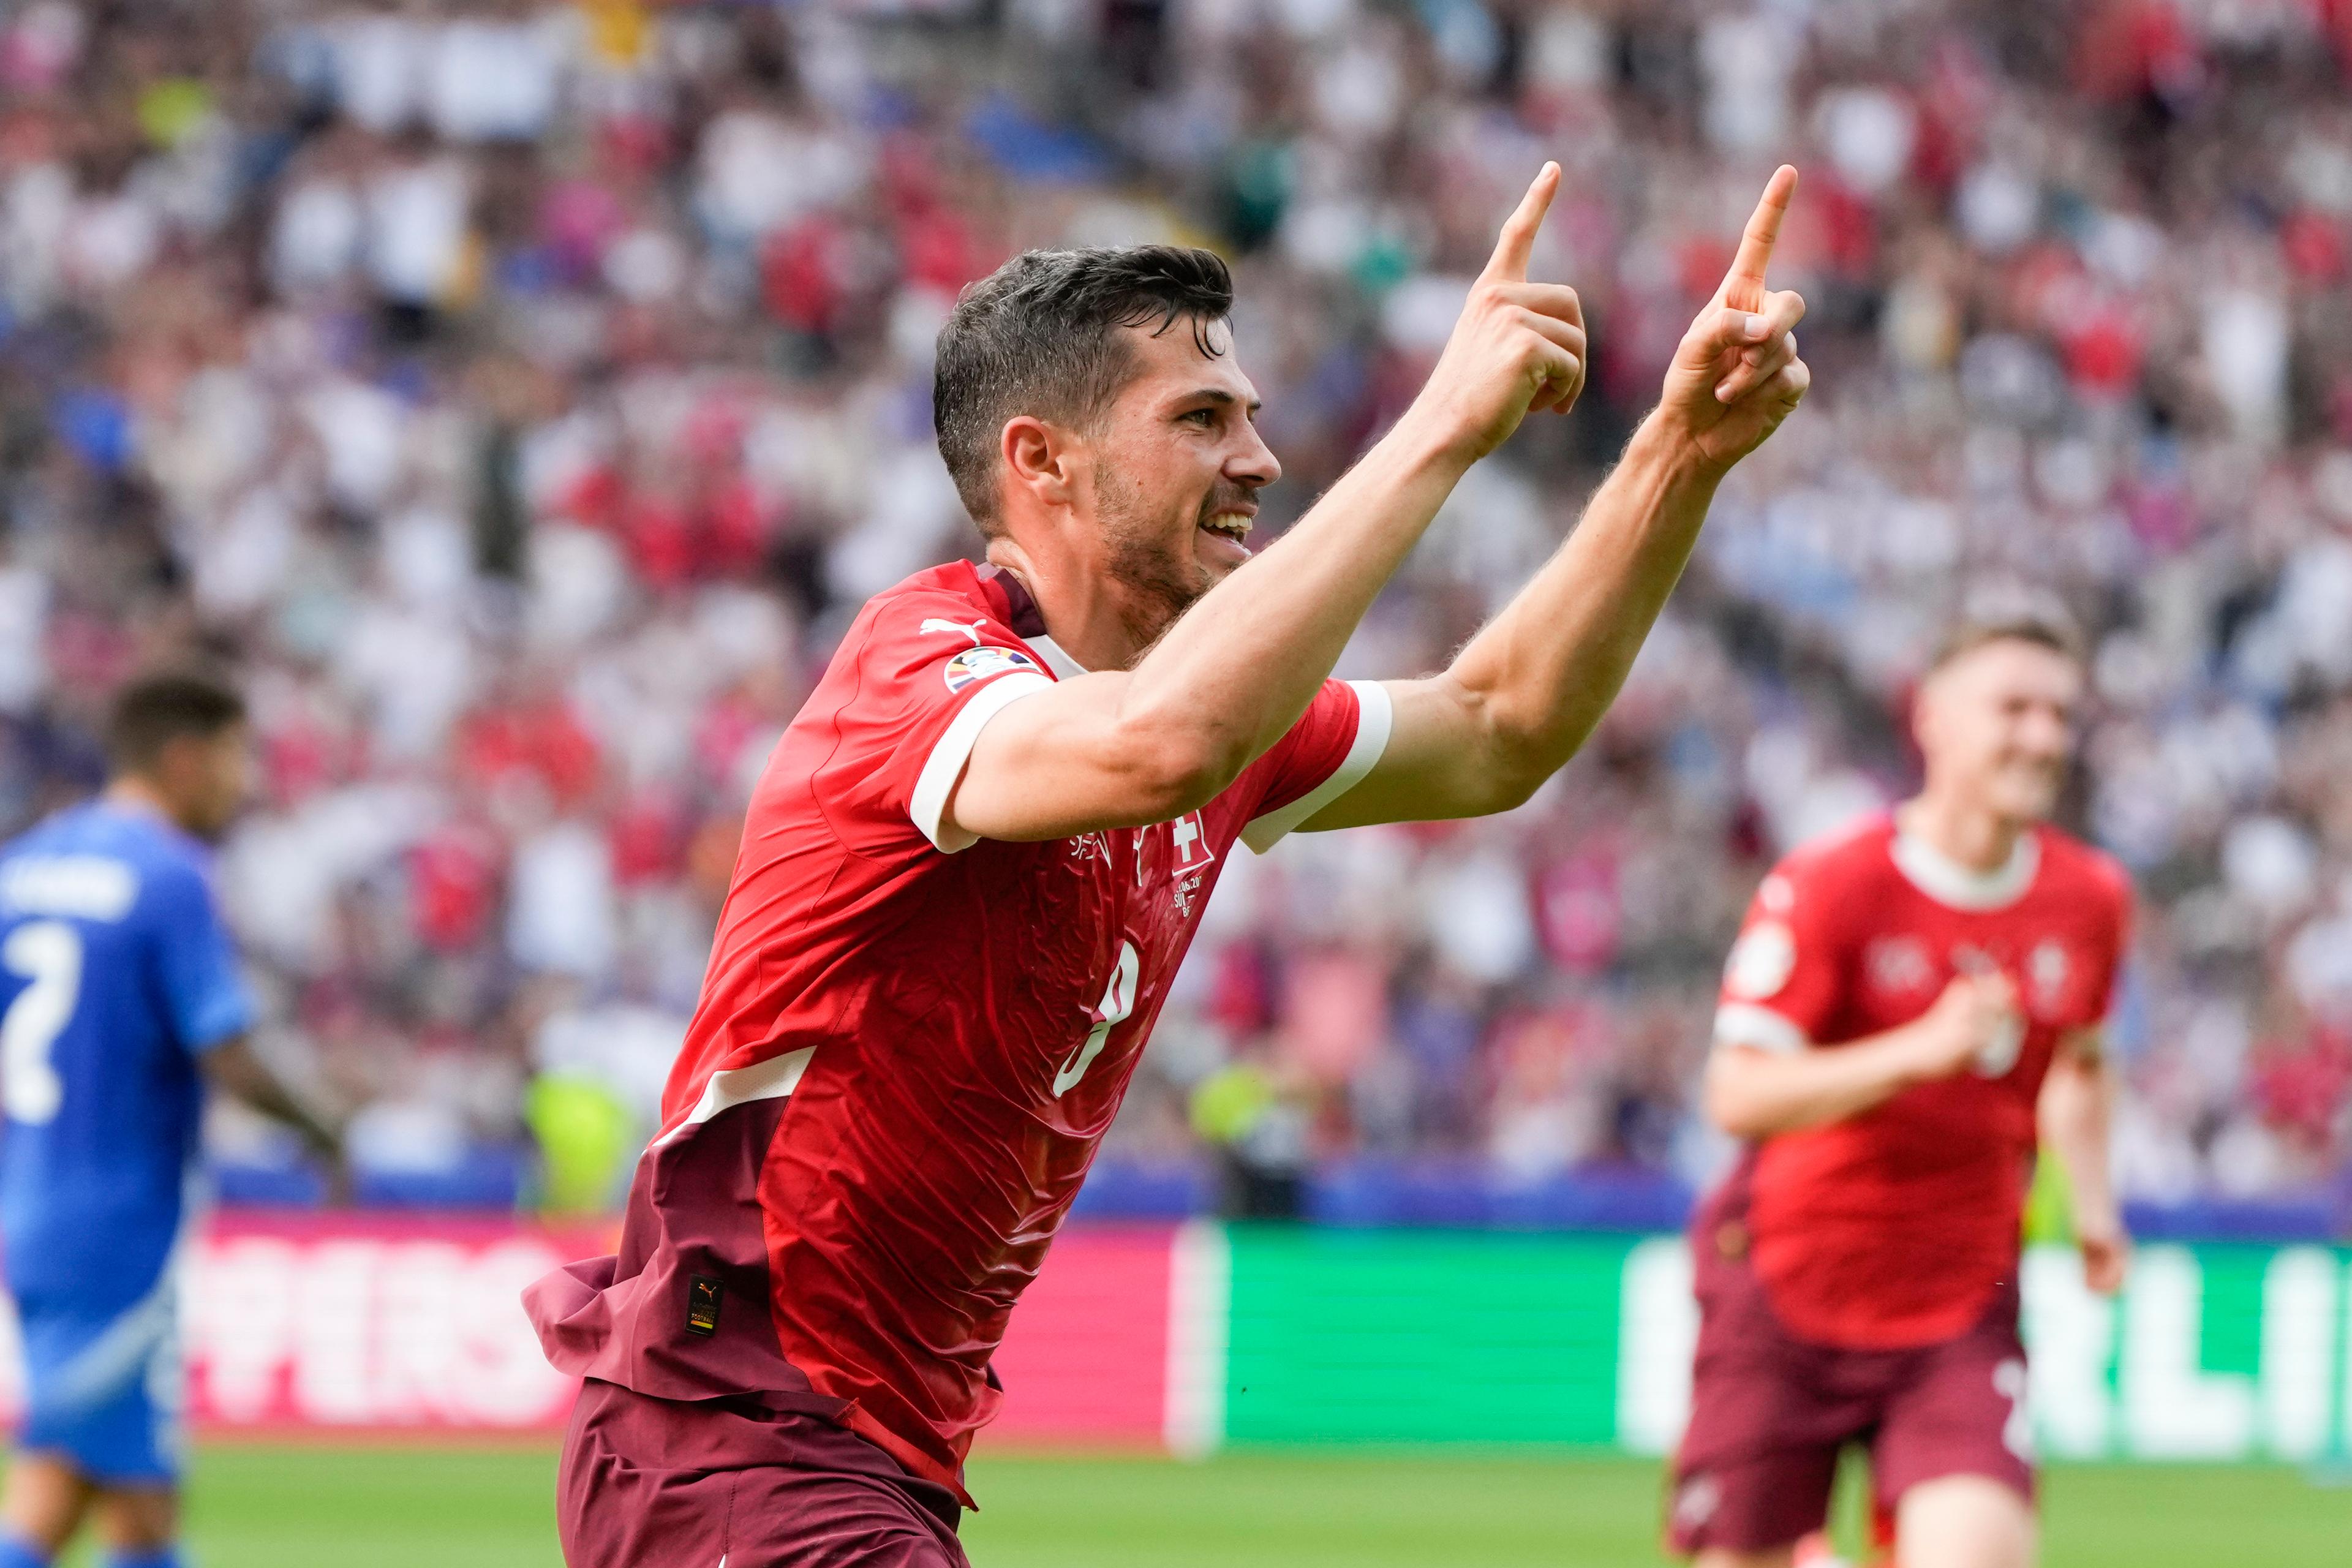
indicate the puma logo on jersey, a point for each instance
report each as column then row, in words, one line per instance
column 960, row 628
column 1697, row 1500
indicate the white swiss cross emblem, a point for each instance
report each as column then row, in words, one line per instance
column 2046, row 974
column 1189, row 855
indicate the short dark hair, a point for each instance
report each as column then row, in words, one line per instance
column 2044, row 624
column 154, row 710
column 1039, row 336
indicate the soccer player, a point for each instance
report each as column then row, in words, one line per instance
column 977, row 855
column 1912, row 1004
column 119, row 996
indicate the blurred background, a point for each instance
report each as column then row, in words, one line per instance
column 525, row 395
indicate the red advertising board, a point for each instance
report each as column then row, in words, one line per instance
column 1085, row 1360
column 377, row 1323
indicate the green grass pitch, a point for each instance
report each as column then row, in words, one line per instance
column 256, row 1507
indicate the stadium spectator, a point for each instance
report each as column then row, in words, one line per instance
column 526, row 395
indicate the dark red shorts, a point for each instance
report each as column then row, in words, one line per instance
column 651, row 1481
column 1770, row 1414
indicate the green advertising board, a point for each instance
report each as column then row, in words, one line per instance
column 1297, row 1335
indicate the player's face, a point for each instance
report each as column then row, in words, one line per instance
column 211, row 778
column 1996, row 724
column 1177, row 468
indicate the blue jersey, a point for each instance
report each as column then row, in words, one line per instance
column 115, row 976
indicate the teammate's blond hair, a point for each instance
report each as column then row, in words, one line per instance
column 2009, row 617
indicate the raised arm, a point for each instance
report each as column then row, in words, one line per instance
column 1521, row 698
column 1128, row 748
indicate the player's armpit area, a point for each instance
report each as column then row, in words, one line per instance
column 1442, row 760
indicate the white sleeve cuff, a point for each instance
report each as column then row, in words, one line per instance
column 945, row 764
column 1374, row 715
column 1743, row 1024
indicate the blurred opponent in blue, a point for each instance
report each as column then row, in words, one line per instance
column 119, row 996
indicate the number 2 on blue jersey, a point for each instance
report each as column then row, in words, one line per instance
column 48, row 955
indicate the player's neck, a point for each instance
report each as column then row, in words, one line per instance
column 1962, row 831
column 1080, row 616
column 131, row 793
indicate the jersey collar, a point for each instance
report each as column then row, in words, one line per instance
column 1021, row 613
column 1949, row 882
column 1063, row 666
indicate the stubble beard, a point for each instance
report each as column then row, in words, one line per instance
column 2029, row 795
column 1161, row 581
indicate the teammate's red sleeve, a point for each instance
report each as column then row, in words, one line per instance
column 1323, row 756
column 931, row 672
column 1786, row 973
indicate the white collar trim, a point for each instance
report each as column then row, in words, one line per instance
column 1063, row 666
column 1949, row 882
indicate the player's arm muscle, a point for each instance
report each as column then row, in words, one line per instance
column 2075, row 1113
column 2076, row 1105
column 1755, row 1093
column 1077, row 757
column 1517, row 701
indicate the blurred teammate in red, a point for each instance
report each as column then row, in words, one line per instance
column 977, row 857
column 1912, row 1005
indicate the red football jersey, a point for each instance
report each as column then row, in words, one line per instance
column 908, row 1044
column 1895, row 1227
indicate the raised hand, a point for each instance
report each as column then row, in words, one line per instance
column 1517, row 345
column 1736, row 375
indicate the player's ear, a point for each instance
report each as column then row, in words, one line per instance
column 1923, row 714
column 1037, row 460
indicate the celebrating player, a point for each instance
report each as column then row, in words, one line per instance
column 120, row 993
column 1908, row 1003
column 978, row 855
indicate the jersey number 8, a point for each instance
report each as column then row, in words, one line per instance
column 48, row 953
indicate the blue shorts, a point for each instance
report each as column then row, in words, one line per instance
column 105, row 1389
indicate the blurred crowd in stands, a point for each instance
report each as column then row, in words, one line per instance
column 524, row 394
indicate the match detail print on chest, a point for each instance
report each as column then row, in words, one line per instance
column 1169, row 859
column 1175, row 855
column 1907, row 967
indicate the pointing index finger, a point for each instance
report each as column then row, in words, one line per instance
column 1763, row 229
column 1517, row 241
